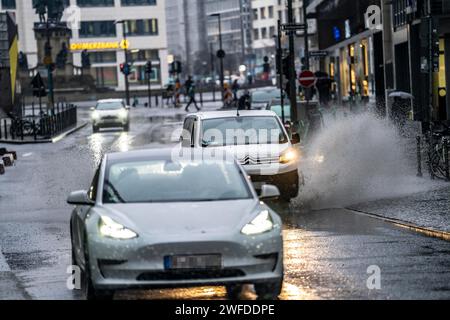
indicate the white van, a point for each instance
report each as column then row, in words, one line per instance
column 257, row 139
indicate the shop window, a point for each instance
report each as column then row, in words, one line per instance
column 105, row 76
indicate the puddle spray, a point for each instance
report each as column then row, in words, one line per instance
column 357, row 159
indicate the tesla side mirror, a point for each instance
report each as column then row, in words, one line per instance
column 127, row 107
column 269, row 192
column 80, row 198
column 295, row 138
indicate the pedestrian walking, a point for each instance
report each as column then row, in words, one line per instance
column 235, row 88
column 135, row 102
column 191, row 96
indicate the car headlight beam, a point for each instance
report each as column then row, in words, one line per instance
column 288, row 156
column 95, row 115
column 123, row 114
column 261, row 224
column 111, row 229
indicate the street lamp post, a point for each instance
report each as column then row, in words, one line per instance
column 219, row 18
column 125, row 50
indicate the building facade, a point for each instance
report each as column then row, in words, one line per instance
column 187, row 36
column 421, row 27
column 145, row 25
column 265, row 17
column 235, row 16
column 354, row 58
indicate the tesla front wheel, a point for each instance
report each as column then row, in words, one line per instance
column 269, row 290
column 89, row 291
column 126, row 128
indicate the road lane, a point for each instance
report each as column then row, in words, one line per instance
column 327, row 252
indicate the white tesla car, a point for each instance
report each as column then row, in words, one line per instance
column 111, row 113
column 150, row 220
column 256, row 138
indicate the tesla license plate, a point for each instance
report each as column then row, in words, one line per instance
column 193, row 262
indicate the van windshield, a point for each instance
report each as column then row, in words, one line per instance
column 242, row 131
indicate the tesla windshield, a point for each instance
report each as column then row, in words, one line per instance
column 242, row 131
column 167, row 181
column 110, row 105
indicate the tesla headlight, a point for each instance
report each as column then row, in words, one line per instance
column 261, row 224
column 95, row 115
column 289, row 156
column 123, row 114
column 111, row 229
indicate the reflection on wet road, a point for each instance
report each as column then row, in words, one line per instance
column 327, row 253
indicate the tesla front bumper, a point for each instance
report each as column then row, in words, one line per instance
column 140, row 263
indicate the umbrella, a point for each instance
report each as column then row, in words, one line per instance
column 401, row 95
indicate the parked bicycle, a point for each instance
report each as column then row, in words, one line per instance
column 439, row 154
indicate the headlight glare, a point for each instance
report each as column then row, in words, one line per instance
column 95, row 115
column 123, row 113
column 289, row 156
column 111, row 229
column 261, row 224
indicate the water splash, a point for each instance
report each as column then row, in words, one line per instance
column 357, row 159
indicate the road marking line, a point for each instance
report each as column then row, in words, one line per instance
column 402, row 224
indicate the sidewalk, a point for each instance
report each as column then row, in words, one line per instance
column 427, row 210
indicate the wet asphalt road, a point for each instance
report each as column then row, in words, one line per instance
column 328, row 252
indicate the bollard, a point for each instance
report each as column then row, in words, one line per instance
column 34, row 130
column 446, row 159
column 419, row 157
column 6, row 129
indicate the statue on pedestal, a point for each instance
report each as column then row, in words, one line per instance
column 53, row 8
column 41, row 9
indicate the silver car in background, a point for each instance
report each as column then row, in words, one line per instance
column 150, row 220
column 111, row 113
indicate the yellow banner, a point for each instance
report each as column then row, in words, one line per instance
column 95, row 46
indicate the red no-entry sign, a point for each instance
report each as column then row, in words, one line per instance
column 307, row 79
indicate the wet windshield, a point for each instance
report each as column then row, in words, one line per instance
column 242, row 131
column 265, row 96
column 167, row 181
column 110, row 105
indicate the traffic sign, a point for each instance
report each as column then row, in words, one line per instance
column 48, row 60
column 307, row 79
column 319, row 53
column 221, row 54
column 293, row 26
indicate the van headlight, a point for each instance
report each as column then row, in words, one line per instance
column 289, row 155
column 261, row 224
column 111, row 229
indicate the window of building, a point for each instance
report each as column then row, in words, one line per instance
column 95, row 3
column 272, row 32
column 94, row 29
column 144, row 55
column 264, row 33
column 103, row 57
column 148, row 27
column 255, row 14
column 105, row 76
column 271, row 14
column 256, row 34
column 138, row 2
column 8, row 4
column 139, row 76
column 263, row 13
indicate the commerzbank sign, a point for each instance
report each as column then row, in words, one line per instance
column 80, row 46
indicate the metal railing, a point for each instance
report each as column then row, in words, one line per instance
column 39, row 127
